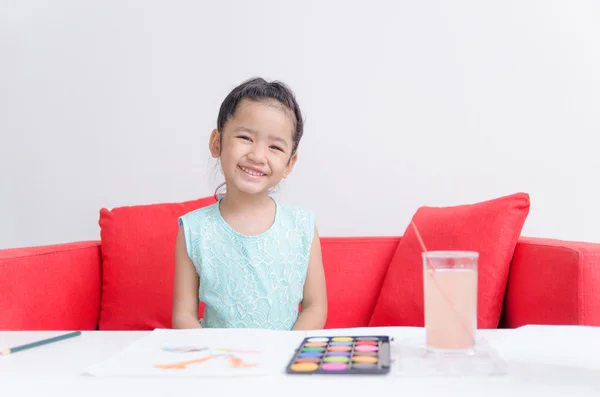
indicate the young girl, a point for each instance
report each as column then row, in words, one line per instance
column 249, row 258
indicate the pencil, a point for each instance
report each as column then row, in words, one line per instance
column 11, row 350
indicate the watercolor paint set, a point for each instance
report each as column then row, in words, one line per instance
column 368, row 355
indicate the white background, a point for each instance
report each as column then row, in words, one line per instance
column 407, row 103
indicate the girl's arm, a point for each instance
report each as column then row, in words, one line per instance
column 314, row 304
column 185, row 289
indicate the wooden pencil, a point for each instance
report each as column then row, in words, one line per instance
column 31, row 345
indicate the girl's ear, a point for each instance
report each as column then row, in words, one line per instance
column 214, row 143
column 290, row 165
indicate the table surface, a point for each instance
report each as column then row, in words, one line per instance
column 542, row 360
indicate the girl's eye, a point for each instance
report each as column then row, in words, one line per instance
column 277, row 148
column 244, row 137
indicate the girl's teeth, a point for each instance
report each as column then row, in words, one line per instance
column 252, row 172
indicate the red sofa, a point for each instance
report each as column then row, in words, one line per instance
column 64, row 286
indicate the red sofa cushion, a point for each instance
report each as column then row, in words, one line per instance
column 138, row 255
column 354, row 270
column 53, row 287
column 491, row 228
column 553, row 282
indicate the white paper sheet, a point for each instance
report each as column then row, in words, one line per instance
column 203, row 352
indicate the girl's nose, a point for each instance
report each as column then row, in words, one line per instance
column 257, row 154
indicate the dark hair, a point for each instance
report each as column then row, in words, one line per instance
column 258, row 89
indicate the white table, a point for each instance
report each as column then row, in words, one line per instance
column 544, row 361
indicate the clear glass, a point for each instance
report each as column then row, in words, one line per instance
column 450, row 294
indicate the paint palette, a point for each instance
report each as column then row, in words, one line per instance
column 342, row 355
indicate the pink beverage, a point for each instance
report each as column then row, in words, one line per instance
column 450, row 293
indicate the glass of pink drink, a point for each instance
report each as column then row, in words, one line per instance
column 450, row 293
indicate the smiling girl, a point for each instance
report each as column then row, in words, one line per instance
column 251, row 259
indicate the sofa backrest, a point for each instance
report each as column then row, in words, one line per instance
column 354, row 270
column 52, row 287
column 125, row 280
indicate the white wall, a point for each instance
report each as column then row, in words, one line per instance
column 407, row 103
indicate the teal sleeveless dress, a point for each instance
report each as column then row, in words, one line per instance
column 249, row 281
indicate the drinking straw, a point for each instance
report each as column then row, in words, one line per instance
column 422, row 245
column 420, row 239
column 11, row 350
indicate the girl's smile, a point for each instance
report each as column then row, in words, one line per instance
column 252, row 172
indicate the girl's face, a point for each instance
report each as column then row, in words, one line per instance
column 255, row 146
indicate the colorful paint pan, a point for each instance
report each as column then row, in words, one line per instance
column 336, row 359
column 364, row 359
column 334, row 367
column 339, row 348
column 340, row 344
column 342, row 355
column 308, row 360
column 315, row 344
column 311, row 354
column 315, row 349
column 342, row 339
column 305, row 367
column 373, row 354
column 366, row 342
column 365, row 348
column 346, row 354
